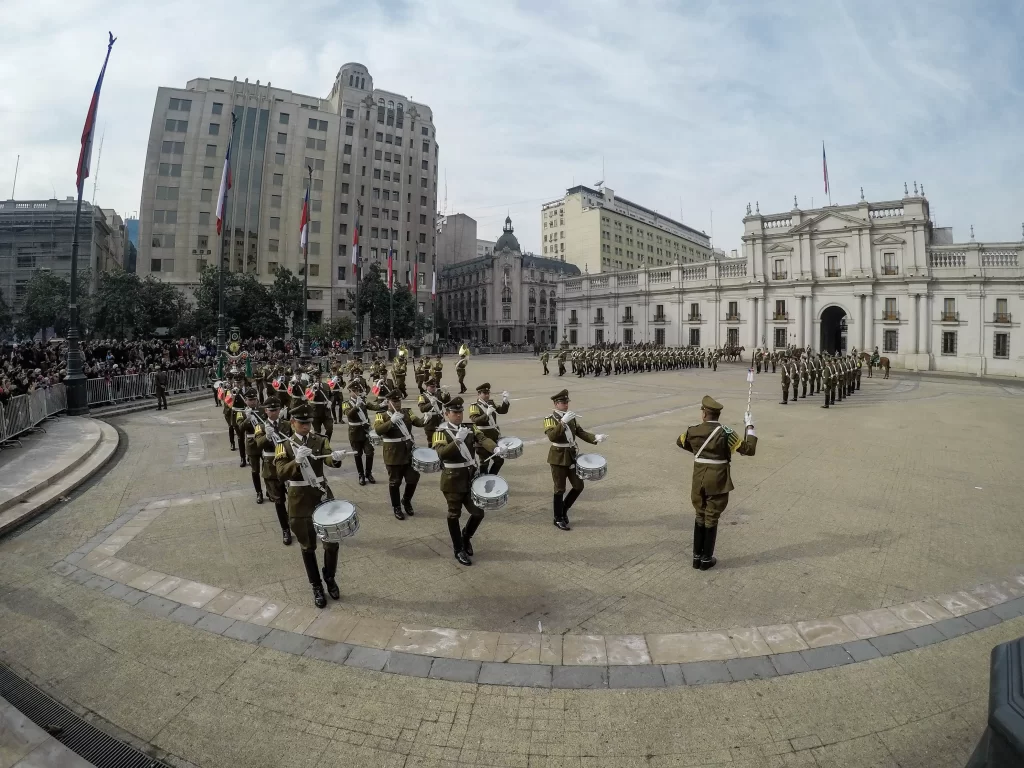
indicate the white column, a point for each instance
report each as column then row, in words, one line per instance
column 801, row 340
column 751, row 323
column 912, row 341
column 809, row 321
column 762, row 321
column 869, row 323
column 859, row 333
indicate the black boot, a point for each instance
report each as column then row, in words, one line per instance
column 330, row 569
column 560, row 519
column 698, row 542
column 359, row 469
column 467, row 534
column 369, row 470
column 707, row 558
column 313, row 572
column 396, row 505
column 282, row 519
column 494, row 467
column 570, row 499
column 407, row 499
column 458, row 544
column 259, row 488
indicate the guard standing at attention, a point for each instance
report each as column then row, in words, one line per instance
column 354, row 412
column 267, row 436
column 712, row 445
column 455, row 446
column 561, row 362
column 484, row 415
column 394, row 425
column 785, row 383
column 562, row 431
column 160, row 383
column 304, row 498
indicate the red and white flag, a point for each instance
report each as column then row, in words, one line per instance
column 412, row 281
column 391, row 268
column 355, row 242
column 824, row 166
column 304, row 222
column 85, row 155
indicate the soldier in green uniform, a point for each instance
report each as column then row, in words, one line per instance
column 323, row 423
column 562, row 431
column 354, row 412
column 246, row 399
column 460, row 370
column 431, row 405
column 231, row 394
column 456, row 446
column 827, row 383
column 304, row 498
column 561, row 362
column 712, row 445
column 394, row 425
column 484, row 416
column 785, row 383
column 417, row 370
column 267, row 436
column 247, row 421
column 544, row 361
column 437, row 369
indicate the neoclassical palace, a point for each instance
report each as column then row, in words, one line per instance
column 844, row 276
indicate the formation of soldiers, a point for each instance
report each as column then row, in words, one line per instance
column 834, row 375
column 643, row 358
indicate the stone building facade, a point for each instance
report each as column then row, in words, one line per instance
column 843, row 276
column 504, row 297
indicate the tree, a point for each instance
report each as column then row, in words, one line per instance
column 46, row 305
column 287, row 293
column 375, row 301
column 247, row 303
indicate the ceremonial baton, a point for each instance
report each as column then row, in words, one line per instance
column 750, row 386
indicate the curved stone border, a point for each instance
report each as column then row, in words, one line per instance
column 537, row 660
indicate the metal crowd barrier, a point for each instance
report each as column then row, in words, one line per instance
column 137, row 386
column 26, row 412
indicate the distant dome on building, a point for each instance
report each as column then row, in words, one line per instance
column 507, row 240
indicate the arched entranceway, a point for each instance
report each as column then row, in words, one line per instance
column 530, row 335
column 833, row 330
column 506, row 335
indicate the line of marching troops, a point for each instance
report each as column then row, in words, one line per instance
column 640, row 359
column 823, row 373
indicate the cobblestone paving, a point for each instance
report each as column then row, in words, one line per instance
column 877, row 500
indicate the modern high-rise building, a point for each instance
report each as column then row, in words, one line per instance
column 456, row 239
column 372, row 155
column 599, row 232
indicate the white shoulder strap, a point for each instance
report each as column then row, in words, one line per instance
column 705, row 445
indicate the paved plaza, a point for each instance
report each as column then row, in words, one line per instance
column 868, row 561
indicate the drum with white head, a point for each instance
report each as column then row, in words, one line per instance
column 513, row 447
column 489, row 492
column 426, row 460
column 591, row 466
column 335, row 520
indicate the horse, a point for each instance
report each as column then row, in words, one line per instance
column 883, row 363
column 732, row 354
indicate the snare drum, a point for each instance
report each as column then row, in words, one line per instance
column 335, row 520
column 489, row 492
column 513, row 447
column 591, row 466
column 426, row 460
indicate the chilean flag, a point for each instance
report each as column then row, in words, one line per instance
column 824, row 166
column 304, row 222
column 355, row 242
column 391, row 268
column 225, row 185
column 90, row 121
column 412, row 281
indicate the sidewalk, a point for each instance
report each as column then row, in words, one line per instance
column 23, row 744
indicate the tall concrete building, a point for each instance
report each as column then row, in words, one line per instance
column 599, row 232
column 456, row 239
column 484, row 247
column 37, row 234
column 373, row 155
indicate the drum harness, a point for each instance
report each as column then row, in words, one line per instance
column 569, row 436
column 403, row 429
column 698, row 460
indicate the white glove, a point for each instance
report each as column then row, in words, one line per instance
column 504, row 396
column 303, row 452
column 461, row 435
column 271, row 429
column 337, row 456
column 600, row 438
column 248, row 411
column 567, row 417
column 397, row 416
column 748, row 419
column 503, row 451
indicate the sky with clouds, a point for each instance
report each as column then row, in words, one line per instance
column 691, row 106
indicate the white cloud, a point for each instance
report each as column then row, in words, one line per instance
column 695, row 106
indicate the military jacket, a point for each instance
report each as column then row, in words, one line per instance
column 483, row 416
column 433, row 407
column 544, row 357
column 458, row 461
column 713, row 451
column 303, row 498
column 266, row 447
column 247, row 431
column 460, row 367
column 398, row 443
column 296, row 394
column 321, row 398
column 563, row 449
column 437, row 367
column 356, row 416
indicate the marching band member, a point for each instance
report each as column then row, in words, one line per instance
column 303, row 498
column 393, row 426
column 230, row 396
column 431, row 402
column 483, row 414
column 354, row 412
column 323, row 423
column 460, row 368
column 275, row 427
column 455, row 445
column 562, row 430
column 436, row 369
column 399, row 369
column 246, row 420
column 712, row 445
